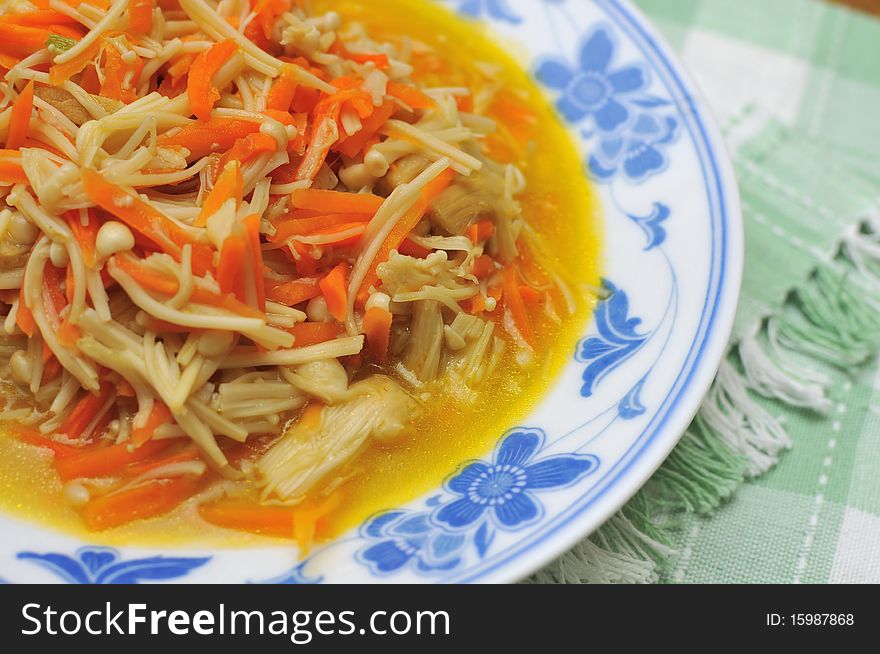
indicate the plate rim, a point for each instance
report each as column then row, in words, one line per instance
column 524, row 559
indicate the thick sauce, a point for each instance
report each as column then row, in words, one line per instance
column 559, row 205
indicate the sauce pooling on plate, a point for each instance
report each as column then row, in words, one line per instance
column 295, row 267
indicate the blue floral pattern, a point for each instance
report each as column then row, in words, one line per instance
column 484, row 496
column 620, row 117
column 652, row 225
column 616, row 341
column 104, row 565
column 497, row 9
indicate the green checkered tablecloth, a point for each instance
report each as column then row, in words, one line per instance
column 796, row 84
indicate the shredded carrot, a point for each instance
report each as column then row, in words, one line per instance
column 119, row 74
column 514, row 302
column 19, row 41
column 410, row 96
column 206, row 136
column 377, row 330
column 335, row 289
column 107, row 460
column 61, row 450
column 160, row 415
column 84, row 412
column 233, row 259
column 200, row 87
column 68, row 334
column 311, row 519
column 230, row 185
column 255, row 252
column 410, row 248
column 282, row 91
column 381, row 60
column 188, row 453
column 11, row 172
column 484, row 265
column 38, row 17
column 293, row 293
column 140, row 16
column 249, row 148
column 356, row 143
column 156, row 282
column 86, row 235
column 335, row 201
column 146, row 220
column 275, row 521
column 404, row 226
column 481, row 231
column 147, row 501
column 25, row 317
column 285, row 229
column 20, row 119
column 313, row 333
column 530, row 296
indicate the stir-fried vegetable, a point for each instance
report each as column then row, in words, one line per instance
column 240, row 241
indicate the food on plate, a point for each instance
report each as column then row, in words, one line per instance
column 251, row 250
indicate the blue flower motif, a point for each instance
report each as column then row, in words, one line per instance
column 594, row 88
column 296, row 576
column 631, row 407
column 103, row 565
column 406, row 539
column 616, row 341
column 638, row 152
column 652, row 225
column 504, row 490
column 497, row 9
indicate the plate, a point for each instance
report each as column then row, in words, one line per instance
column 674, row 250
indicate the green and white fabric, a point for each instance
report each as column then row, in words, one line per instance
column 796, row 84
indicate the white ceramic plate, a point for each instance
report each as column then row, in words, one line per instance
column 674, row 264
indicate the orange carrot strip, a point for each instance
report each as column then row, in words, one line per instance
column 60, row 73
column 252, row 228
column 283, row 89
column 118, row 73
column 84, row 412
column 377, row 330
column 144, row 219
column 249, row 148
column 229, row 185
column 310, row 520
column 351, row 146
column 335, row 201
column 160, row 415
column 230, row 272
column 410, row 248
column 381, row 60
column 61, row 450
column 410, row 95
column 404, row 226
column 150, row 500
column 530, row 296
column 293, row 293
column 484, row 266
column 514, row 302
column 285, row 229
column 106, row 461
column 325, row 133
column 481, row 231
column 158, row 283
column 19, row 41
column 188, row 453
column 140, row 16
column 275, row 521
column 204, row 137
column 86, row 235
column 20, row 119
column 200, row 87
column 68, row 334
column 313, row 333
column 25, row 317
column 39, row 17
column 335, row 289
column 12, row 172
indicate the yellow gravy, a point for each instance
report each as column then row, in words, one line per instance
column 558, row 203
